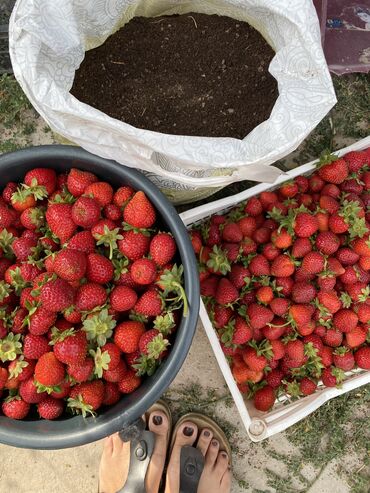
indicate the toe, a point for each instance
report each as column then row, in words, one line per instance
column 204, row 440
column 186, row 434
column 212, row 453
column 117, row 444
column 158, row 423
column 108, row 446
column 226, row 481
column 222, row 464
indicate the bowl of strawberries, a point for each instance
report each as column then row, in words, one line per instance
column 99, row 296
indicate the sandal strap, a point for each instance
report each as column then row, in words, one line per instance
column 191, row 468
column 141, row 451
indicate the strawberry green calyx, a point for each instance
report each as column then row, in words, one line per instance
column 120, row 266
column 292, row 388
column 313, row 366
column 5, row 290
column 109, row 239
column 63, row 198
column 6, row 241
column 365, row 294
column 137, row 317
column 101, row 360
column 171, row 282
column 218, row 261
column 59, row 336
column 143, row 231
column 326, row 157
column 99, row 327
column 145, row 365
column 18, row 368
column 78, row 406
column 37, row 216
column 346, row 300
column 10, row 347
column 339, row 374
column 44, row 388
column 164, row 323
column 156, row 346
column 18, row 283
column 350, row 211
column 262, row 349
column 227, row 333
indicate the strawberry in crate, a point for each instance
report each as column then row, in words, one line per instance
column 285, row 278
column 90, row 293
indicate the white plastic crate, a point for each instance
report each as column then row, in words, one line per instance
column 260, row 425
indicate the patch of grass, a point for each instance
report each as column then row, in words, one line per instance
column 336, row 431
column 13, row 102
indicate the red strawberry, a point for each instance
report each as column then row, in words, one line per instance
column 363, row 313
column 33, row 218
column 279, row 306
column 362, row 357
column 7, row 216
column 79, row 180
column 70, row 346
column 143, row 271
column 226, row 292
column 132, row 358
column 326, row 355
column 307, row 386
column 334, row 172
column 153, row 344
column 242, row 374
column 274, row 378
column 150, row 304
column 282, row 266
column 247, row 225
column 360, row 245
column 162, row 248
column 45, row 177
column 122, row 298
column 8, row 191
column 327, row 242
column 114, row 353
column 313, row 263
column 343, row 359
column 70, row 265
column 253, row 207
column 139, row 212
column 259, row 315
column 238, row 274
column 259, row 266
column 59, row 218
column 338, row 224
column 278, row 349
column 242, row 332
column 82, row 371
column 134, row 245
column 99, row 269
column 345, row 320
column 86, row 212
column 328, row 203
column 89, row 296
column 265, row 295
column 86, row 397
column 253, row 360
column 101, row 191
column 22, row 248
column 82, row 241
column 196, row 241
column 129, row 382
column 3, row 377
column 232, row 233
column 49, row 371
column 333, row 338
column 303, row 292
column 122, row 195
column 305, row 225
column 264, row 398
column 50, row 408
column 127, row 335
column 112, row 212
column 28, row 392
column 356, row 160
column 57, row 295
column 40, row 321
column 35, row 346
column 329, row 300
column 111, row 394
column 221, row 315
column 15, row 408
column 301, row 314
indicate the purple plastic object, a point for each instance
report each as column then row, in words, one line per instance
column 345, row 34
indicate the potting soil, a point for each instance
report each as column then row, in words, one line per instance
column 192, row 74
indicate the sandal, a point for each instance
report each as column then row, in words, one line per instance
column 192, row 460
column 141, row 451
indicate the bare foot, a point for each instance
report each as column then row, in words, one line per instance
column 216, row 475
column 114, row 464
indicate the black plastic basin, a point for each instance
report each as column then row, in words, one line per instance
column 74, row 431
